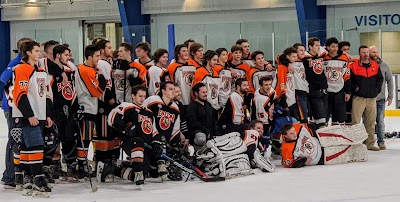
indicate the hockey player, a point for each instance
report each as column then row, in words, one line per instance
column 209, row 76
column 182, row 113
column 300, row 146
column 285, row 87
column 157, row 73
column 259, row 71
column 344, row 46
column 201, row 117
column 196, row 55
column 167, row 120
column 318, row 98
column 136, row 124
column 232, row 117
column 182, row 73
column 142, row 51
column 89, row 85
column 127, row 76
column 337, row 71
column 106, row 142
column 31, row 112
column 300, row 110
column 225, row 76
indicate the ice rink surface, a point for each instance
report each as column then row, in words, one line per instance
column 377, row 180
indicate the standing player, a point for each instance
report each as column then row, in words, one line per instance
column 344, row 46
column 90, row 85
column 285, row 87
column 167, row 120
column 157, row 73
column 318, row 97
column 142, row 51
column 126, row 76
column 300, row 111
column 182, row 73
column 259, row 71
column 232, row 116
column 336, row 68
column 30, row 114
column 209, row 77
column 225, row 76
column 196, row 55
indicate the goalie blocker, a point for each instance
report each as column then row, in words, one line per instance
column 335, row 145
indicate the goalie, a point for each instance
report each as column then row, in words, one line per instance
column 334, row 145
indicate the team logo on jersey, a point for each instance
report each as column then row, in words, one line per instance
column 334, row 73
column 23, row 84
column 120, row 81
column 188, row 77
column 316, row 65
column 147, row 124
column 226, row 82
column 214, row 90
column 287, row 162
column 306, row 145
column 41, row 82
column 166, row 119
column 289, row 82
column 66, row 90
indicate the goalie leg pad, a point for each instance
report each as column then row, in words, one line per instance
column 235, row 165
column 345, row 154
column 263, row 162
column 342, row 135
column 227, row 145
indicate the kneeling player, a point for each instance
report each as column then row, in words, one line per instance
column 300, row 147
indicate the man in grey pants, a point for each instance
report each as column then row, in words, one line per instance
column 381, row 98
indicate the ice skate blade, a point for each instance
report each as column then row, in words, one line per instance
column 38, row 194
column 19, row 187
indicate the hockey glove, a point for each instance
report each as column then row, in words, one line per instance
column 158, row 148
column 299, row 162
column 79, row 114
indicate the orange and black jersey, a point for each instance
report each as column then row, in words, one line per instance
column 315, row 75
column 194, row 63
column 366, row 79
column 155, row 76
column 201, row 73
column 183, row 75
column 146, row 64
column 171, row 69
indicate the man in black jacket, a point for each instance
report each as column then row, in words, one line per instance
column 366, row 84
column 200, row 117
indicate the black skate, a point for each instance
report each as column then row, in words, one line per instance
column 175, row 174
column 27, row 188
column 40, row 187
column 139, row 178
column 162, row 170
column 19, row 180
column 105, row 171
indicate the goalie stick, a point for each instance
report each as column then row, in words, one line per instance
column 193, row 170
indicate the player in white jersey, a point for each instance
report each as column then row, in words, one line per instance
column 30, row 114
column 142, row 51
column 300, row 110
column 337, row 71
column 260, row 70
column 225, row 76
column 157, row 73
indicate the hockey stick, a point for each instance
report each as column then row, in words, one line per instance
column 192, row 170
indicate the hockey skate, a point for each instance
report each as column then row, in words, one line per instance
column 105, row 172
column 27, row 187
column 162, row 170
column 174, row 173
column 40, row 187
column 139, row 179
column 19, row 180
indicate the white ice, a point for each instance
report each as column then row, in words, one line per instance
column 375, row 180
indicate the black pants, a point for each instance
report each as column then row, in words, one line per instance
column 336, row 107
column 319, row 106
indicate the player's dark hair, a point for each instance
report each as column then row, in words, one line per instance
column 48, row 44
column 60, row 49
column 127, row 47
column 254, row 122
column 208, row 56
column 28, row 46
column 90, row 50
column 158, row 54
column 343, row 43
column 115, row 54
column 196, row 88
column 163, row 86
column 330, row 41
column 261, row 81
column 289, row 51
column 194, row 48
column 240, row 41
column 21, row 41
column 362, row 47
column 286, row 127
column 177, row 50
column 297, row 45
column 102, row 43
column 186, row 43
column 137, row 88
column 239, row 82
column 255, row 53
column 145, row 46
column 312, row 40
column 95, row 40
column 236, row 48
column 220, row 50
